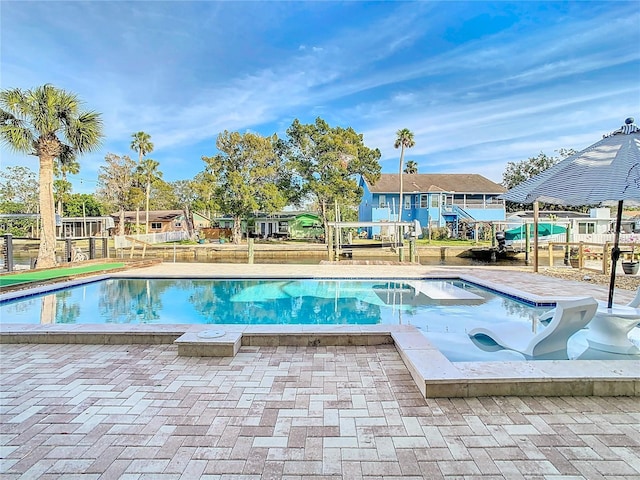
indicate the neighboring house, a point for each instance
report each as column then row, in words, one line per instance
column 74, row 227
column 66, row 227
column 294, row 225
column 597, row 222
column 160, row 221
column 433, row 199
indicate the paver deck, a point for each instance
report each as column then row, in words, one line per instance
column 143, row 412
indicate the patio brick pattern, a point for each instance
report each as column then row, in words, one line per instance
column 142, row 412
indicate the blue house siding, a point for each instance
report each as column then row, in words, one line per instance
column 365, row 210
column 488, row 215
column 423, row 215
column 433, row 209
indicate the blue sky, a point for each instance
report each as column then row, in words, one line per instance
column 479, row 83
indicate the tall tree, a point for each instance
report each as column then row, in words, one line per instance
column 115, row 182
column 327, row 161
column 162, row 196
column 204, row 186
column 404, row 139
column 411, row 168
column 148, row 172
column 250, row 177
column 47, row 122
column 18, row 190
column 185, row 195
column 141, row 144
column 83, row 204
column 19, row 194
column 517, row 172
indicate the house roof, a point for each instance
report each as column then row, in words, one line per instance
column 435, row 182
column 154, row 215
column 284, row 215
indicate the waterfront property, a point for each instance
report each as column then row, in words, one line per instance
column 294, row 225
column 434, row 200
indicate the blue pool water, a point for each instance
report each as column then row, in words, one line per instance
column 444, row 310
column 255, row 302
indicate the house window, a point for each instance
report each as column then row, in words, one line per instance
column 435, row 201
column 474, row 200
column 382, row 201
column 407, row 202
column 424, row 201
column 156, row 226
column 178, row 224
column 586, row 227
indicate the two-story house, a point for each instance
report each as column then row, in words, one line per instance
column 433, row 199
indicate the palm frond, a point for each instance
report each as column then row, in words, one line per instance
column 15, row 134
column 18, row 139
column 14, row 101
column 84, row 132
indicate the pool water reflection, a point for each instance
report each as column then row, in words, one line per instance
column 444, row 310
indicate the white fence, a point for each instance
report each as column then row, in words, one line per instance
column 599, row 238
column 121, row 241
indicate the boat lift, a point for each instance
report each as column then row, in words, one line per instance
column 398, row 229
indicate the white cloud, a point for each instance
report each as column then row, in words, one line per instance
column 498, row 98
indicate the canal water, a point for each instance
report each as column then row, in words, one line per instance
column 24, row 261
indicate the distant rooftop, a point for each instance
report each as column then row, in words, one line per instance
column 436, row 182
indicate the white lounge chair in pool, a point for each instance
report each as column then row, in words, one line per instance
column 569, row 317
column 634, row 303
column 609, row 329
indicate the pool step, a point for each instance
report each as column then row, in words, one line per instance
column 226, row 342
column 209, row 343
column 444, row 294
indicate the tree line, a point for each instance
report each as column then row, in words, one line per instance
column 249, row 173
column 313, row 164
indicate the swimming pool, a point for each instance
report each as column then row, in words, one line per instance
column 444, row 309
column 434, row 305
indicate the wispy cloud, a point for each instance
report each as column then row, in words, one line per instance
column 185, row 71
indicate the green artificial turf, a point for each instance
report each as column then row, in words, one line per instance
column 50, row 274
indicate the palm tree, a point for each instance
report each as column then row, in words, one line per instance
column 141, row 144
column 404, row 139
column 411, row 168
column 47, row 122
column 147, row 170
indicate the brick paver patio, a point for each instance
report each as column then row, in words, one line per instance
column 142, row 412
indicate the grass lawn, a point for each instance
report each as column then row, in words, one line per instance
column 53, row 273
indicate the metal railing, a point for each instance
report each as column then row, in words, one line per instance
column 73, row 250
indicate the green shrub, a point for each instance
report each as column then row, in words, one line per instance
column 440, row 233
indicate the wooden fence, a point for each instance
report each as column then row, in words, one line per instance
column 587, row 255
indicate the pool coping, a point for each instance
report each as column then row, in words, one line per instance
column 432, row 372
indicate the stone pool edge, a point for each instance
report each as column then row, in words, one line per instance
column 432, row 372
column 434, row 375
